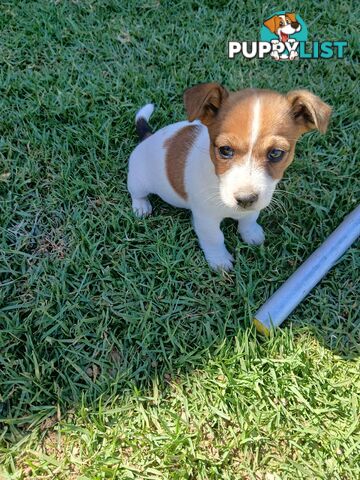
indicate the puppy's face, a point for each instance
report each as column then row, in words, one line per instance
column 283, row 25
column 252, row 137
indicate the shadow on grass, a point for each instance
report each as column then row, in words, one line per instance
column 144, row 312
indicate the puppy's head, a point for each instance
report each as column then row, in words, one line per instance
column 252, row 136
column 283, row 25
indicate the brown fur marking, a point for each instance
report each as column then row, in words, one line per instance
column 177, row 149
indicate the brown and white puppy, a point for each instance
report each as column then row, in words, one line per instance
column 225, row 161
column 283, row 26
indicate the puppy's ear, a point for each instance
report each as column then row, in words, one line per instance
column 271, row 24
column 309, row 111
column 203, row 101
column 292, row 17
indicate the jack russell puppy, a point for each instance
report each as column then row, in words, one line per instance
column 225, row 161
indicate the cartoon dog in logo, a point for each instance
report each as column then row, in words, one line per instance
column 283, row 26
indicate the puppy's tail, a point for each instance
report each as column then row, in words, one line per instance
column 141, row 121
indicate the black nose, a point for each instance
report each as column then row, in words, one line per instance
column 247, row 201
column 295, row 24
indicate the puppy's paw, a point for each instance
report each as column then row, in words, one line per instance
column 141, row 207
column 222, row 260
column 253, row 235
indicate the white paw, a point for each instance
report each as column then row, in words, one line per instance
column 221, row 260
column 253, row 235
column 293, row 55
column 275, row 55
column 141, row 207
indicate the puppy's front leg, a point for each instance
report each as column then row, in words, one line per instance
column 251, row 232
column 211, row 240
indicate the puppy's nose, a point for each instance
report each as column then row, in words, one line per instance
column 247, row 201
column 295, row 24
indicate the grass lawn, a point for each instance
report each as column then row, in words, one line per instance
column 122, row 355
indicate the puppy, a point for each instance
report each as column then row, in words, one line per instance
column 283, row 26
column 225, row 161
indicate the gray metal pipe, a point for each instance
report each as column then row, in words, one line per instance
column 298, row 285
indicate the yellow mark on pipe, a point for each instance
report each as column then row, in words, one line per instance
column 260, row 327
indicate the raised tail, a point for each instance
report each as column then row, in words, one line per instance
column 141, row 121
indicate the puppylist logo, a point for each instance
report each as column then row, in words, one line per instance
column 284, row 36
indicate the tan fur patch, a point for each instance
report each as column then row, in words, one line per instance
column 177, row 149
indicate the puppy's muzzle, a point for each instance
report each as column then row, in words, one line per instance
column 295, row 25
column 247, row 201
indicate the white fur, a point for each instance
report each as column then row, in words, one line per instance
column 255, row 126
column 145, row 112
column 244, row 180
column 209, row 198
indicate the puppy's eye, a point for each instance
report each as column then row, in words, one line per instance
column 275, row 155
column 226, row 152
column 281, row 24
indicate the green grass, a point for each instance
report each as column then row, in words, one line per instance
column 122, row 355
